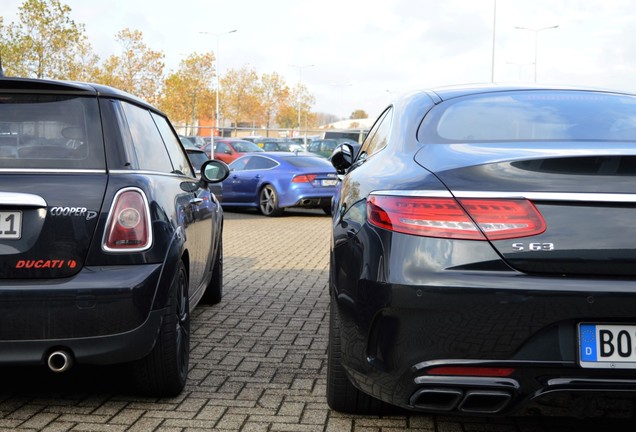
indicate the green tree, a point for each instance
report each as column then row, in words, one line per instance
column 138, row 70
column 359, row 114
column 188, row 94
column 240, row 91
column 45, row 42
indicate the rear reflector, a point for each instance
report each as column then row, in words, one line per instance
column 471, row 371
column 128, row 228
column 467, row 219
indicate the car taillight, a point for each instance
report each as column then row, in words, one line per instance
column 466, row 219
column 128, row 228
column 305, row 178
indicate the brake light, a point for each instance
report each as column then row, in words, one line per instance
column 305, row 178
column 128, row 228
column 466, row 219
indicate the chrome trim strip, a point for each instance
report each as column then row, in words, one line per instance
column 21, row 199
column 493, row 363
column 154, row 173
column 415, row 193
column 533, row 196
column 460, row 380
column 572, row 382
column 51, row 171
column 551, row 196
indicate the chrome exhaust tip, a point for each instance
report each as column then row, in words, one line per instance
column 59, row 361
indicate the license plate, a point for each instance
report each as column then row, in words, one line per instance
column 329, row 182
column 607, row 346
column 10, row 224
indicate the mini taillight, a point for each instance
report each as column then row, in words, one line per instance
column 128, row 228
column 304, row 178
column 467, row 219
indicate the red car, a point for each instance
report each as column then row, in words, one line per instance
column 228, row 149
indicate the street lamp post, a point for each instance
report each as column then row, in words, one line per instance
column 218, row 84
column 494, row 34
column 536, row 33
column 300, row 80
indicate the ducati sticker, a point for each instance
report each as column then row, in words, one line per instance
column 46, row 264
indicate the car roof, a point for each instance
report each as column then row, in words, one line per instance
column 449, row 92
column 286, row 155
column 11, row 84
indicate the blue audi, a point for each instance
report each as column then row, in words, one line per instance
column 273, row 181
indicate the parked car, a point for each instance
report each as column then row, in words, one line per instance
column 197, row 141
column 324, row 147
column 483, row 256
column 197, row 159
column 273, row 181
column 228, row 149
column 287, row 146
column 108, row 239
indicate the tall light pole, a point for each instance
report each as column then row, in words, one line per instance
column 536, row 33
column 218, row 84
column 342, row 87
column 300, row 80
column 494, row 33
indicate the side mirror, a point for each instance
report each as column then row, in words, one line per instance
column 214, row 171
column 342, row 158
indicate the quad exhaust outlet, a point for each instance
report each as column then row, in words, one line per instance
column 473, row 401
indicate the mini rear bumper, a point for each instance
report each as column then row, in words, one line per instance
column 103, row 315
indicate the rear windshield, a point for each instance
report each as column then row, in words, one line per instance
column 309, row 162
column 50, row 132
column 533, row 116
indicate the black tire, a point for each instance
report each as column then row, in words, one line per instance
column 214, row 291
column 342, row 395
column 164, row 371
column 268, row 202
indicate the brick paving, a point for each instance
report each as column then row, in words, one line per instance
column 258, row 359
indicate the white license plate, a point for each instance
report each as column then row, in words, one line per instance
column 607, row 346
column 329, row 182
column 10, row 224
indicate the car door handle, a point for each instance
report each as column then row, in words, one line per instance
column 196, row 201
column 257, row 176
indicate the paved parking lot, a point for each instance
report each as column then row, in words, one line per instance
column 258, row 360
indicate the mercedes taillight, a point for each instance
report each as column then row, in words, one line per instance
column 465, row 218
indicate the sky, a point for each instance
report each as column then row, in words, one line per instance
column 360, row 54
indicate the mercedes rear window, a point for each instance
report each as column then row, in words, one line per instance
column 533, row 116
column 50, row 132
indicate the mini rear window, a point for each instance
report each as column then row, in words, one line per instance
column 50, row 132
column 533, row 116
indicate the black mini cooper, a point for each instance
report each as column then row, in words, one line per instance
column 107, row 238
